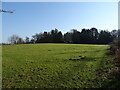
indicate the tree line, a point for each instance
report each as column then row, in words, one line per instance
column 86, row 36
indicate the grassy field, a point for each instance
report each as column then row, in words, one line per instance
column 50, row 66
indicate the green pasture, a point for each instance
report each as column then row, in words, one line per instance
column 49, row 66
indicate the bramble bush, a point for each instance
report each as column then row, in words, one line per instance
column 115, row 48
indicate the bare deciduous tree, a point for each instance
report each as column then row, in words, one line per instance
column 15, row 39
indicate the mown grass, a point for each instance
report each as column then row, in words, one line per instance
column 48, row 66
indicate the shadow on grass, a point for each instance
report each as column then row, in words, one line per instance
column 108, row 73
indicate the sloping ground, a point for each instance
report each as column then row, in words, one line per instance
column 49, row 66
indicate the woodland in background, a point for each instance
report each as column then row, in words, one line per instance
column 86, row 36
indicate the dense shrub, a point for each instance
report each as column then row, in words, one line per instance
column 115, row 48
